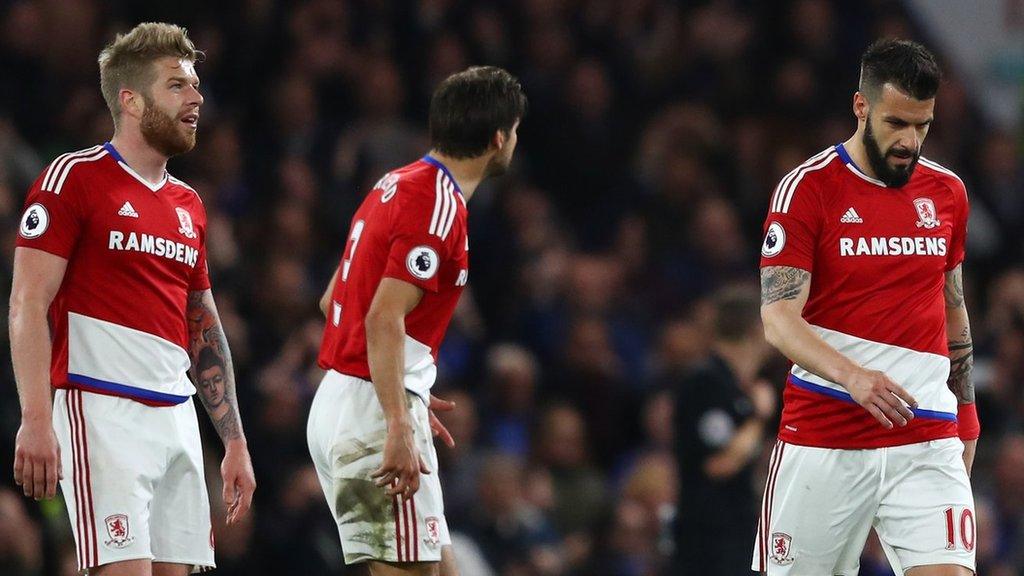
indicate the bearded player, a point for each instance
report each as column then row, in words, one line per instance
column 862, row 290
column 403, row 269
column 110, row 261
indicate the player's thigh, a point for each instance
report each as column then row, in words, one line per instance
column 111, row 458
column 404, row 568
column 138, row 567
column 940, row 570
column 170, row 569
column 926, row 515
column 180, row 527
column 448, row 566
column 816, row 511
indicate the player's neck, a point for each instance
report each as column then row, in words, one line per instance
column 468, row 173
column 139, row 155
column 855, row 148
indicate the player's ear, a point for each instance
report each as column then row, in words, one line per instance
column 131, row 102
column 860, row 106
column 499, row 139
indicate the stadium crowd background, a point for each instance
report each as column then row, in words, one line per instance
column 655, row 135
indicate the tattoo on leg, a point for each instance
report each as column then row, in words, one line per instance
column 782, row 283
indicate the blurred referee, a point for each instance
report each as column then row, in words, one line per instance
column 721, row 411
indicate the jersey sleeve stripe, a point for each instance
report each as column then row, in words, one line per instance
column 52, row 167
column 940, row 168
column 437, row 203
column 777, row 199
column 57, row 165
column 446, row 206
column 791, row 191
column 67, row 168
column 450, row 189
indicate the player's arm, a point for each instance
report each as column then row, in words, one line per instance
column 961, row 360
column 784, row 292
column 236, row 469
column 385, row 349
column 37, row 278
column 325, row 300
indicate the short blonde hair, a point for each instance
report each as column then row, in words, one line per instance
column 127, row 62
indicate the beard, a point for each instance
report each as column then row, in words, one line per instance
column 163, row 132
column 892, row 176
column 497, row 166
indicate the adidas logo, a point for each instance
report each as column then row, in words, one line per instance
column 851, row 217
column 127, row 210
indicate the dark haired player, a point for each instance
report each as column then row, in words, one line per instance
column 402, row 271
column 862, row 290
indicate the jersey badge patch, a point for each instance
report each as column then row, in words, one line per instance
column 118, row 530
column 926, row 211
column 34, row 222
column 774, row 240
column 185, row 222
column 433, row 532
column 782, row 545
column 422, row 262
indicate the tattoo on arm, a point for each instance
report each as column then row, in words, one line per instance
column 954, row 291
column 782, row 283
column 961, row 346
column 212, row 370
column 961, row 360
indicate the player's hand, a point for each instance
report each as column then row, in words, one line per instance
column 239, row 480
column 37, row 466
column 882, row 397
column 436, row 427
column 402, row 465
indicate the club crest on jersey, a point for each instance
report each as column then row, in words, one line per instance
column 926, row 211
column 34, row 222
column 118, row 530
column 185, row 223
column 774, row 240
column 433, row 537
column 781, row 547
column 422, row 262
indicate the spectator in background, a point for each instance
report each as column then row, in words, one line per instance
column 721, row 410
column 515, row 537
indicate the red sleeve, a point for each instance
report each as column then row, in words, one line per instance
column 959, row 237
column 968, row 425
column 200, row 279
column 417, row 226
column 52, row 221
column 792, row 227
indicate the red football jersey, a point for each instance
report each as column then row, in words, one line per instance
column 878, row 258
column 411, row 226
column 134, row 250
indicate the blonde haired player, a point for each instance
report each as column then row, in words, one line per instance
column 111, row 257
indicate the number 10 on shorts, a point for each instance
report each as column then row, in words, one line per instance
column 966, row 528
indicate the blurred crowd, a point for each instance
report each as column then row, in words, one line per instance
column 656, row 133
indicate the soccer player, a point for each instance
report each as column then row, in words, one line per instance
column 388, row 305
column 109, row 268
column 862, row 289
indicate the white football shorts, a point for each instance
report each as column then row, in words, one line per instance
column 346, row 434
column 133, row 480
column 820, row 503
